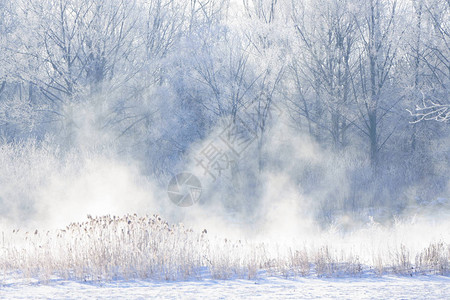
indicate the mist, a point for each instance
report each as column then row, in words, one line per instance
column 341, row 141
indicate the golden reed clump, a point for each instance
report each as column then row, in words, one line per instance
column 121, row 247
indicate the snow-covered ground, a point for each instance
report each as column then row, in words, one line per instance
column 133, row 257
column 392, row 287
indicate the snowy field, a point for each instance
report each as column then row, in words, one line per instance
column 389, row 287
column 145, row 257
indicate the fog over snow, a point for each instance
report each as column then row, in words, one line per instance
column 298, row 145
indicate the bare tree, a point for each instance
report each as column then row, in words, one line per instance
column 433, row 52
column 267, row 40
column 71, row 49
column 326, row 67
column 378, row 42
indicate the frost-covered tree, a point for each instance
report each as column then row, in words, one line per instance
column 378, row 44
column 325, row 64
column 432, row 54
column 154, row 79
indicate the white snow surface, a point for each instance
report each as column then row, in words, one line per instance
column 387, row 287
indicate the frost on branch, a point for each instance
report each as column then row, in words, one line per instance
column 431, row 111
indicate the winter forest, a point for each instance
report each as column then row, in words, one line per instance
column 344, row 104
